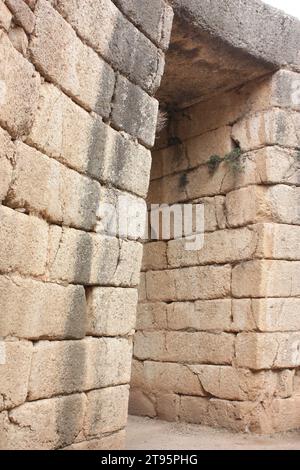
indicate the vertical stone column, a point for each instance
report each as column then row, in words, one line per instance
column 218, row 336
column 77, row 120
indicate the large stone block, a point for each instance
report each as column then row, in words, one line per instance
column 23, row 243
column 266, row 278
column 118, row 41
column 14, row 372
column 207, row 315
column 155, row 256
column 152, row 316
column 189, row 348
column 33, row 310
column 268, row 350
column 276, row 314
column 274, row 127
column 66, row 367
column 134, row 111
column 111, row 311
column 43, row 425
column 106, row 411
column 19, row 90
column 155, row 18
column 6, row 159
column 210, row 282
column 5, row 16
column 61, row 56
column 93, row 259
column 23, row 16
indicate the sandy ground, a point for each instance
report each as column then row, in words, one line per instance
column 147, row 434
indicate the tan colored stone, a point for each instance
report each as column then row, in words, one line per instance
column 135, row 111
column 33, row 310
column 19, row 90
column 56, row 50
column 6, row 160
column 155, row 256
column 111, row 311
column 268, row 350
column 274, row 127
column 106, row 411
column 208, row 315
column 188, row 283
column 142, row 287
column 141, row 404
column 70, row 366
column 266, row 278
column 56, row 423
column 277, row 314
column 152, row 316
column 5, row 16
column 19, row 39
column 23, row 16
column 14, row 372
column 115, row 441
column 23, row 243
column 180, row 347
column 167, row 407
column 118, row 41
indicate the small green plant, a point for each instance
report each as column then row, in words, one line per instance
column 214, row 162
column 235, row 160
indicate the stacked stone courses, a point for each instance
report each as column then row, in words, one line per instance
column 77, row 120
column 218, row 330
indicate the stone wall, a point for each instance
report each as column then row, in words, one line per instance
column 77, row 119
column 218, row 330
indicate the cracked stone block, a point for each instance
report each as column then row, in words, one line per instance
column 57, row 51
column 31, row 309
column 19, row 90
column 23, row 243
column 115, row 441
column 60, row 367
column 140, row 404
column 118, row 40
column 14, row 372
column 56, row 424
column 111, row 311
column 180, row 347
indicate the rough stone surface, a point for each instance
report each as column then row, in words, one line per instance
column 115, row 441
column 6, row 159
column 22, row 14
column 5, row 16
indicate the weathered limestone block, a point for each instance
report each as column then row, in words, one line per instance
column 23, row 243
column 106, row 411
column 155, row 256
column 59, row 193
column 279, row 203
column 31, row 309
column 152, row 316
column 241, row 384
column 169, row 160
column 19, row 39
column 93, row 259
column 134, row 111
column 274, row 127
column 19, row 90
column 166, row 377
column 118, row 41
column 266, row 278
column 189, row 348
column 115, row 441
column 6, row 160
column 268, row 350
column 155, row 18
column 111, row 311
column 66, row 132
column 56, row 424
column 71, row 366
column 208, row 315
column 197, row 283
column 276, row 165
column 14, row 372
column 5, row 16
column 142, row 287
column 275, row 314
column 285, row 89
column 222, row 246
column 141, row 404
column 23, row 16
column 60, row 55
column 167, row 407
